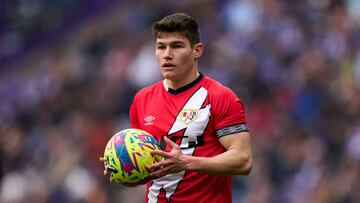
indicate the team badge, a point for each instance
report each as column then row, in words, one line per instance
column 188, row 115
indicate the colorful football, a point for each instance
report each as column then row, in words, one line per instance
column 127, row 155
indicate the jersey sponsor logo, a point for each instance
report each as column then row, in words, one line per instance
column 188, row 115
column 148, row 120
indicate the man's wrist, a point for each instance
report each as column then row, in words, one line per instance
column 192, row 163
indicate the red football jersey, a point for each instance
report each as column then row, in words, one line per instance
column 194, row 117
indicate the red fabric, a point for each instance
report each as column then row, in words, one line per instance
column 156, row 111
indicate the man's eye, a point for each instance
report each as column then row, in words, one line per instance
column 176, row 46
column 161, row 47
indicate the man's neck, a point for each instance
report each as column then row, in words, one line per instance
column 176, row 85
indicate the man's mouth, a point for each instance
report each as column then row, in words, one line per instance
column 168, row 65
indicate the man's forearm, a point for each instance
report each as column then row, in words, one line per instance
column 231, row 162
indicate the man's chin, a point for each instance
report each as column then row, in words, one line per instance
column 168, row 75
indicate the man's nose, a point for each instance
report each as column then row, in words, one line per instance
column 168, row 53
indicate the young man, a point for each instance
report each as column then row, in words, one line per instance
column 201, row 123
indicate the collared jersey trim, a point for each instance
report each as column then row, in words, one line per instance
column 232, row 130
column 184, row 88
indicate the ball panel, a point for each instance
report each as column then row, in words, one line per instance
column 128, row 154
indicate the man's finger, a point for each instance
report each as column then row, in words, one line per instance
column 108, row 171
column 102, row 159
column 159, row 173
column 161, row 153
column 170, row 143
column 154, row 166
column 158, row 165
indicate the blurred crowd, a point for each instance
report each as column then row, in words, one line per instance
column 295, row 64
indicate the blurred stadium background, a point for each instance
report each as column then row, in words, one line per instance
column 69, row 69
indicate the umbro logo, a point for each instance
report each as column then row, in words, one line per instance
column 148, row 120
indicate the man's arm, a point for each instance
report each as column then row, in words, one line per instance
column 236, row 160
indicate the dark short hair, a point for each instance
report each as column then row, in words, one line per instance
column 181, row 23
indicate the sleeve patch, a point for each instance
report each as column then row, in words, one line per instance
column 232, row 130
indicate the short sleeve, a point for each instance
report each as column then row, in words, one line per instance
column 229, row 113
column 133, row 114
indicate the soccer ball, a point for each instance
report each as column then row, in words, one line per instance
column 127, row 155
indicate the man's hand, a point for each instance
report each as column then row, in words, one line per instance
column 174, row 161
column 107, row 170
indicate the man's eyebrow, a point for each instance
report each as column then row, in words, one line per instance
column 173, row 42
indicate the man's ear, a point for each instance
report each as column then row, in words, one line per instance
column 198, row 50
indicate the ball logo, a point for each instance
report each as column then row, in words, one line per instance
column 188, row 115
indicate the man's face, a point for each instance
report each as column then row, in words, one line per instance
column 177, row 59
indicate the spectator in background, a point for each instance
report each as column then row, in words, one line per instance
column 53, row 98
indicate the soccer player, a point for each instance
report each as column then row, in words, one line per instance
column 199, row 122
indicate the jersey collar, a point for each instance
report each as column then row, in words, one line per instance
column 184, row 88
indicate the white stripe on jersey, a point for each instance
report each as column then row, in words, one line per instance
column 194, row 102
column 170, row 182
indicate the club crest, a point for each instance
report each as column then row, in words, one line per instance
column 188, row 115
